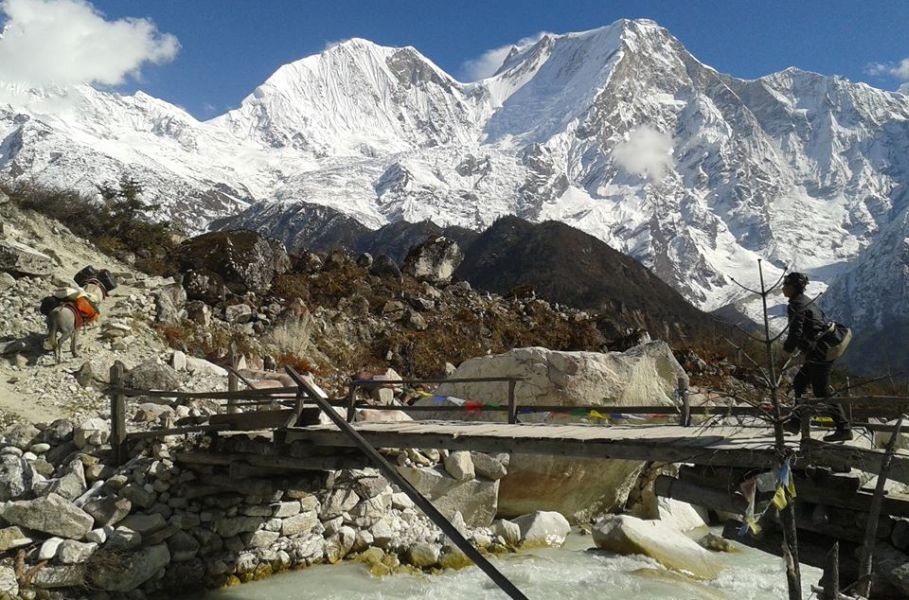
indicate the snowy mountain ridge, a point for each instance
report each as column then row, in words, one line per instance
column 618, row 131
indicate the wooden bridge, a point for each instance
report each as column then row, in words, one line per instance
column 715, row 457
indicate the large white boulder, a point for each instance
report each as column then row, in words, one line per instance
column 624, row 534
column 681, row 516
column 644, row 375
column 543, row 528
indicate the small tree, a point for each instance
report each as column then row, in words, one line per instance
column 124, row 205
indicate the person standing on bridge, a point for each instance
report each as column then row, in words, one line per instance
column 806, row 324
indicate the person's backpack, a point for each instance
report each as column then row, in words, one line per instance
column 833, row 340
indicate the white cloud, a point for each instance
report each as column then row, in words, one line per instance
column 646, row 152
column 489, row 62
column 898, row 71
column 67, row 42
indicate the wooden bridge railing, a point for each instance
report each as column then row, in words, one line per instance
column 291, row 402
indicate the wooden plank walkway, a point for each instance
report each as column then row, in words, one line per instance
column 727, row 446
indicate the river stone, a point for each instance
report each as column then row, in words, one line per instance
column 423, row 555
column 108, row 511
column 509, row 532
column 459, row 465
column 12, row 537
column 130, row 570
column 546, row 528
column 72, row 552
column 475, row 499
column 51, row 514
column 715, row 543
column 487, row 467
column 624, row 534
column 16, row 477
column 9, row 584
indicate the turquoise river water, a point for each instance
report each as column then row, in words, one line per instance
column 568, row 573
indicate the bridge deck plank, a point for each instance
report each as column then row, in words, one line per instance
column 719, row 445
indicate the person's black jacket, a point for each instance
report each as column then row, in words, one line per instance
column 806, row 322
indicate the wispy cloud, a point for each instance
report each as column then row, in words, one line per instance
column 486, row 64
column 646, row 152
column 898, row 71
column 68, row 42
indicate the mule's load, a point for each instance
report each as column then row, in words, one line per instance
column 68, row 309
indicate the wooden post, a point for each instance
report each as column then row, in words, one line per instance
column 512, row 406
column 117, row 413
column 682, row 383
column 351, row 403
column 831, row 576
column 233, row 383
column 865, row 562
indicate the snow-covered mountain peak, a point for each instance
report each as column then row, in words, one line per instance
column 619, row 131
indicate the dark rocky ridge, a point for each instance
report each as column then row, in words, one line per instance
column 565, row 265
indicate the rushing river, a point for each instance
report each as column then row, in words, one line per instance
column 567, row 573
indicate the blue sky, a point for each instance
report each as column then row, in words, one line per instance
column 227, row 47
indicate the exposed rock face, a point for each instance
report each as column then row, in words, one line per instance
column 578, row 488
column 624, row 534
column 475, row 499
column 19, row 259
column 51, row 514
column 244, row 260
column 434, row 260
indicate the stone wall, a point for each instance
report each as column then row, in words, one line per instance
column 173, row 518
